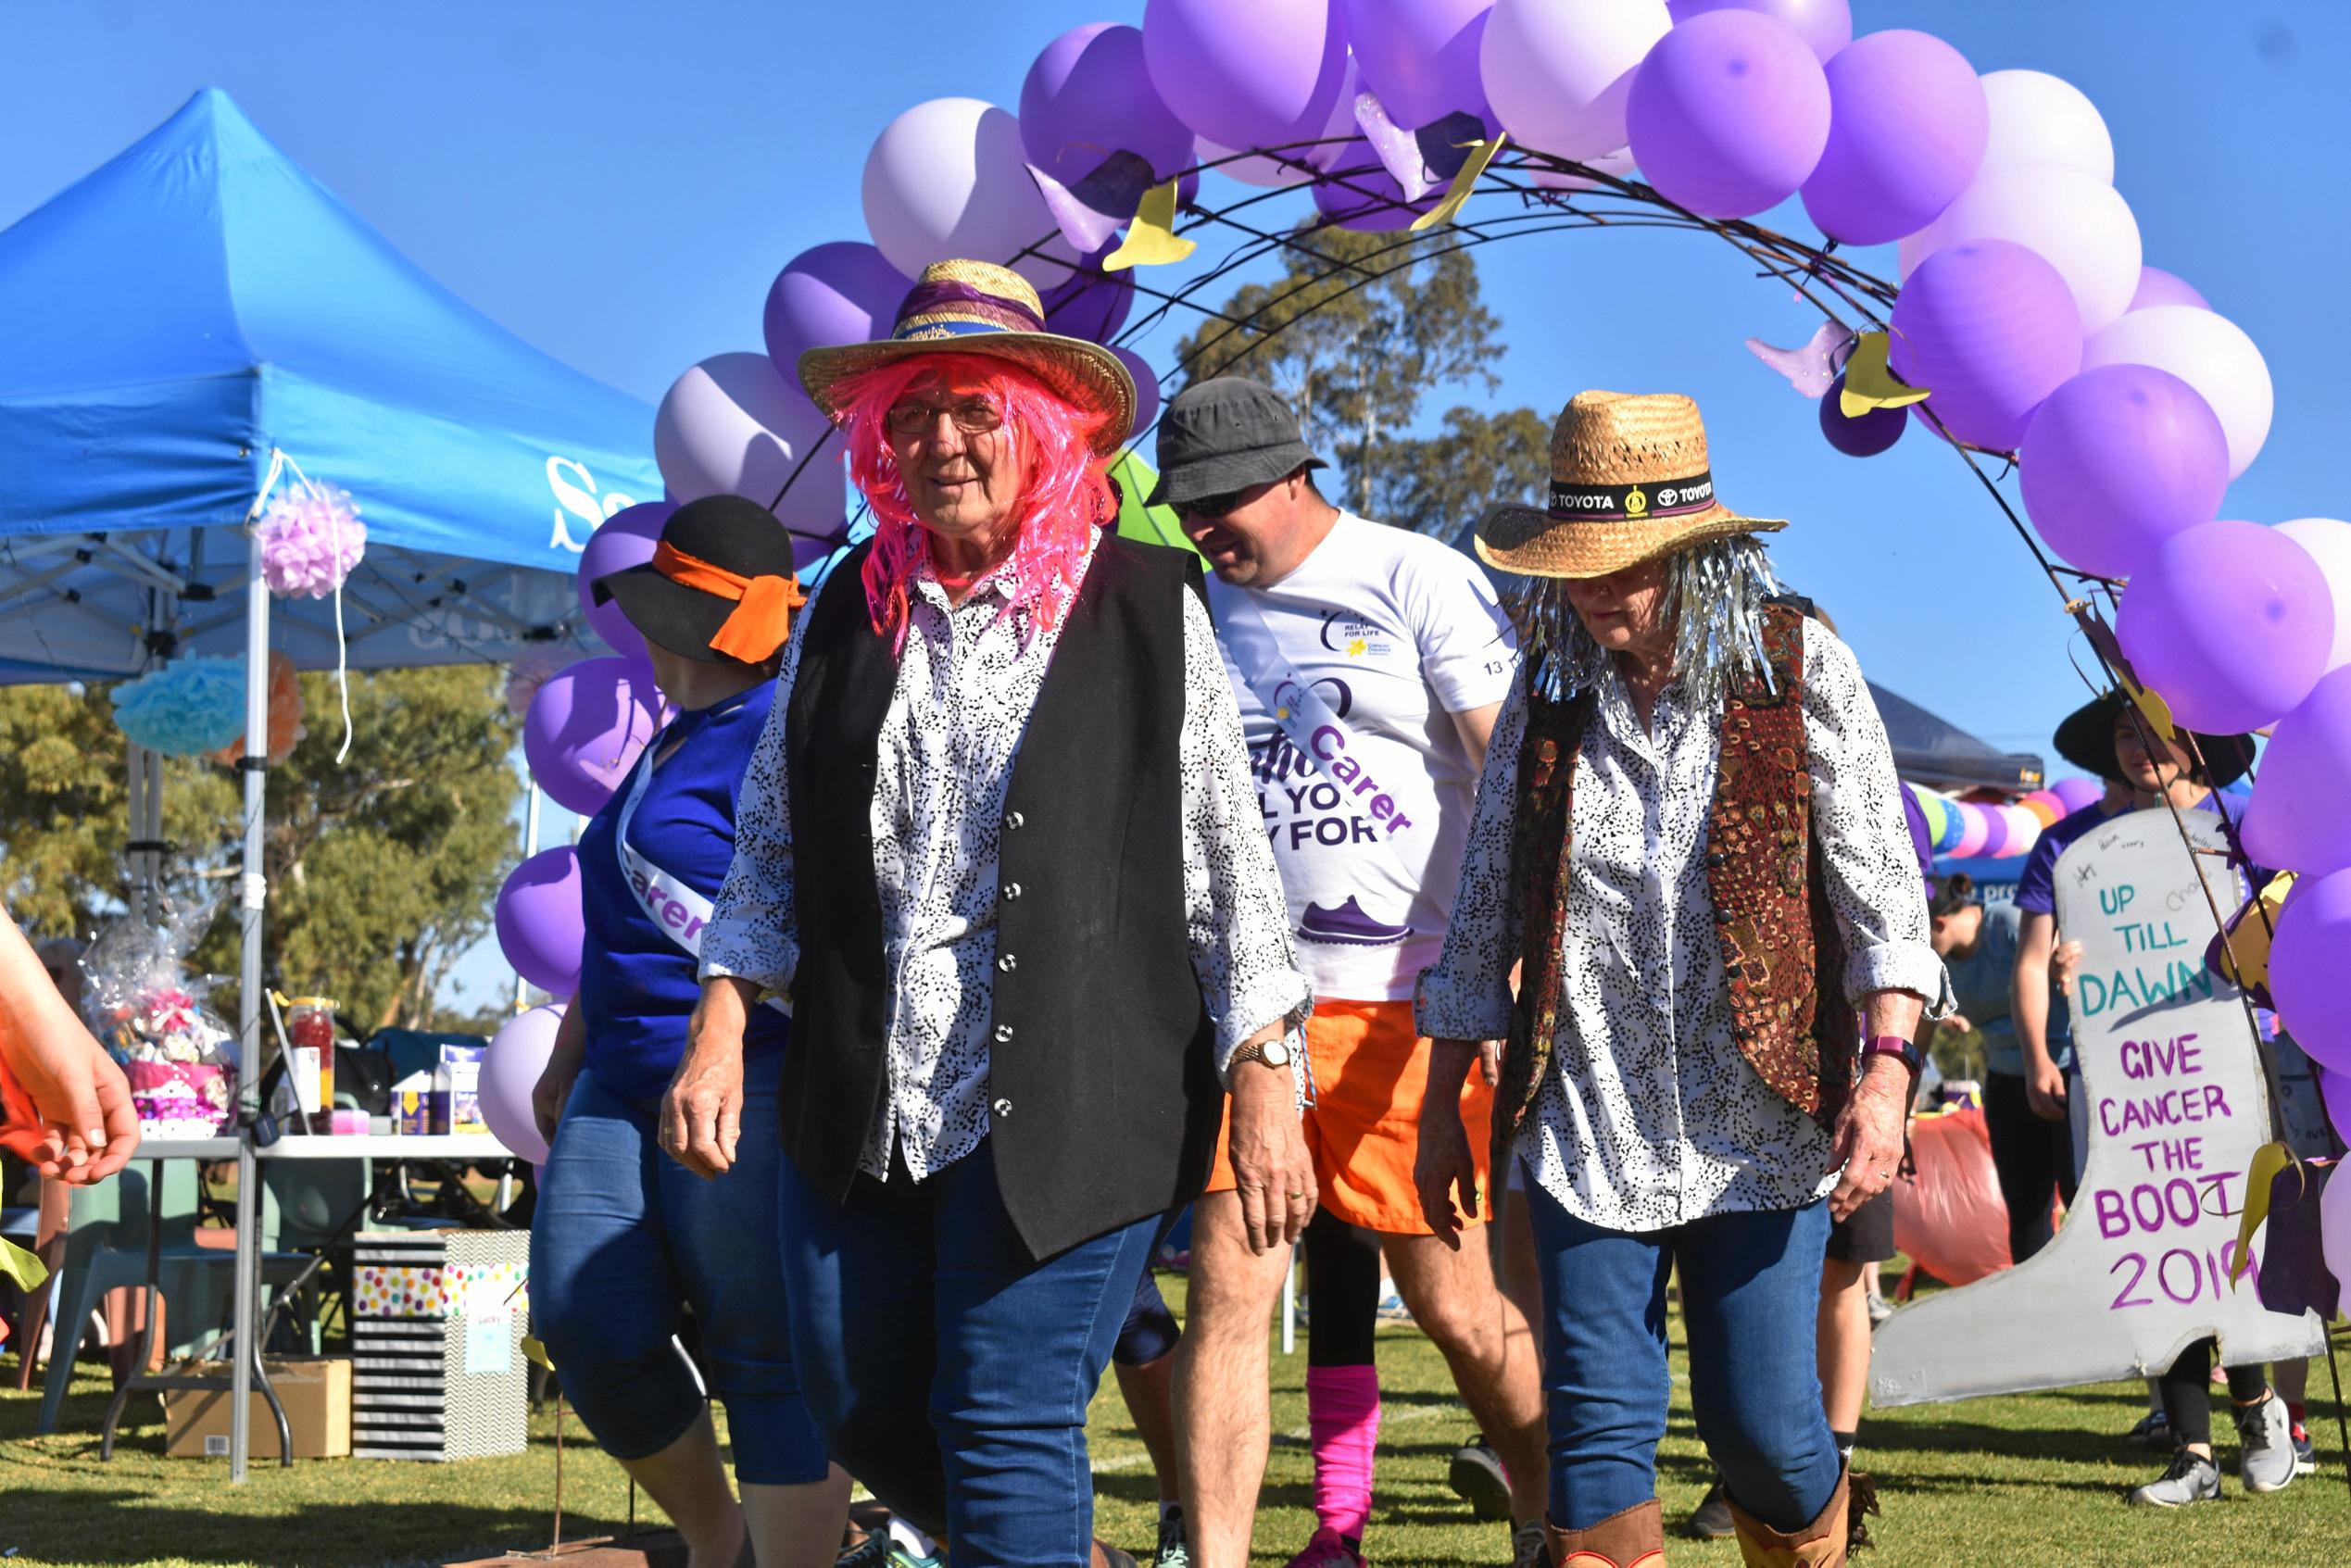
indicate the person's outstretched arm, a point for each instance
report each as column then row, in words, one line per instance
column 83, row 1127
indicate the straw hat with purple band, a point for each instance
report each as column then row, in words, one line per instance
column 978, row 307
column 1629, row 481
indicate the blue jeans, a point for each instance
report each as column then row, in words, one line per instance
column 951, row 1374
column 622, row 1235
column 1749, row 1303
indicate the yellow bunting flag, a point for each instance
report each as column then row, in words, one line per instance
column 2249, row 943
column 2152, row 707
column 1870, row 381
column 1151, row 240
column 2271, row 1159
column 20, row 1268
column 1464, row 181
column 533, row 1349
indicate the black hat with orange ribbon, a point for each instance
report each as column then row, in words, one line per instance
column 720, row 585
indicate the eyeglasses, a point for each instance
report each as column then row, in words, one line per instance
column 1213, row 506
column 972, row 417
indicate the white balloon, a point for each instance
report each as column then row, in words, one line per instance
column 2207, row 351
column 949, row 180
column 1620, row 162
column 2329, row 542
column 2037, row 117
column 730, row 426
column 2076, row 220
column 1557, row 72
column 2334, row 1224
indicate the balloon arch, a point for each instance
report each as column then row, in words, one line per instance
column 2023, row 330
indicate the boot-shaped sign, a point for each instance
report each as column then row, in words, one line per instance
column 2172, row 1085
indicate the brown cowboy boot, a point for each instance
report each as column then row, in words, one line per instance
column 1632, row 1537
column 1834, row 1534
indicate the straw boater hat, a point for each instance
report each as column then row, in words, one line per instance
column 1628, row 481
column 978, row 307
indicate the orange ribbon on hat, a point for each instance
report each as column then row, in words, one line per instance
column 763, row 608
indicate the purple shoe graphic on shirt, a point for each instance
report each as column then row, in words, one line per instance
column 1348, row 925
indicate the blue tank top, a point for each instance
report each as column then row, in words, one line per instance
column 637, row 985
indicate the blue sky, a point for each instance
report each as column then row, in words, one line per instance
column 618, row 182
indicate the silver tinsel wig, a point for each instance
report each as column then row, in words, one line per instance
column 1714, row 599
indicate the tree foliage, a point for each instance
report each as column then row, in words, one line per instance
column 382, row 869
column 1356, row 332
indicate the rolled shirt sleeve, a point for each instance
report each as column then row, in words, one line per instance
column 1867, row 860
column 1234, row 913
column 753, row 932
column 1466, row 994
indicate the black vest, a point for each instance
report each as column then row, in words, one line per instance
column 1102, row 1091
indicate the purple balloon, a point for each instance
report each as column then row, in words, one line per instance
column 1089, row 96
column 1991, row 329
column 1907, row 128
column 843, row 292
column 585, row 727
column 2231, row 622
column 2159, row 287
column 1729, row 114
column 1873, row 432
column 2077, row 792
column 1146, row 388
column 540, row 924
column 1090, row 304
column 1363, row 196
column 2297, row 819
column 625, row 539
column 1825, row 25
column 1420, row 56
column 2306, row 971
column 2119, row 460
column 510, row 1070
column 1247, row 73
column 1997, row 827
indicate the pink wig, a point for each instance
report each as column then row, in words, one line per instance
column 1064, row 494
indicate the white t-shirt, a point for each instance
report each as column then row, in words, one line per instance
column 1395, row 633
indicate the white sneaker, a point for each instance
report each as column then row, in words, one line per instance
column 2192, row 1478
column 2265, row 1461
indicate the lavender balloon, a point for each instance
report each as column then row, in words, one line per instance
column 1146, row 389
column 510, row 1070
column 2297, row 819
column 585, row 727
column 540, row 926
column 1420, row 55
column 1825, row 25
column 2306, row 971
column 2076, row 793
column 730, row 426
column 2230, row 622
column 625, row 539
column 950, row 178
column 2119, row 460
column 1088, row 95
column 1091, row 303
column 1906, row 132
column 1557, row 72
column 1991, row 330
column 1247, row 73
column 1729, row 114
column 842, row 292
column 1873, row 432
column 2328, row 541
column 2159, row 287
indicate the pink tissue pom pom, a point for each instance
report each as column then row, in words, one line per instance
column 311, row 537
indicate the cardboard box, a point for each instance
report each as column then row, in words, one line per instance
column 317, row 1397
column 457, row 1091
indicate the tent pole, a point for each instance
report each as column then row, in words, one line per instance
column 530, row 848
column 252, row 887
column 134, row 760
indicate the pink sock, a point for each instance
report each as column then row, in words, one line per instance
column 1342, row 1414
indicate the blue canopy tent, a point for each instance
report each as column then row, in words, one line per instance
column 200, row 319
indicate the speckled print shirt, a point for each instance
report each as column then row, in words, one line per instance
column 966, row 685
column 1649, row 1116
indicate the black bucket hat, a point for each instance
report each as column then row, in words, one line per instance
column 720, row 585
column 2086, row 740
column 1224, row 435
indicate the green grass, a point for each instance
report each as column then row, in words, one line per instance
column 2032, row 1480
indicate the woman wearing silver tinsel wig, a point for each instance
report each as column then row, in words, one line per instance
column 1690, row 834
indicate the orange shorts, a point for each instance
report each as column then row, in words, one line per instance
column 1370, row 1072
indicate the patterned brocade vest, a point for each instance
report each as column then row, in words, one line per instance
column 1763, row 875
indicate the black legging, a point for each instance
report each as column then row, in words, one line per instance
column 2033, row 1158
column 2186, row 1387
column 1343, row 1282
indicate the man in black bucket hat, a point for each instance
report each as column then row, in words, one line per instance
column 1369, row 663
